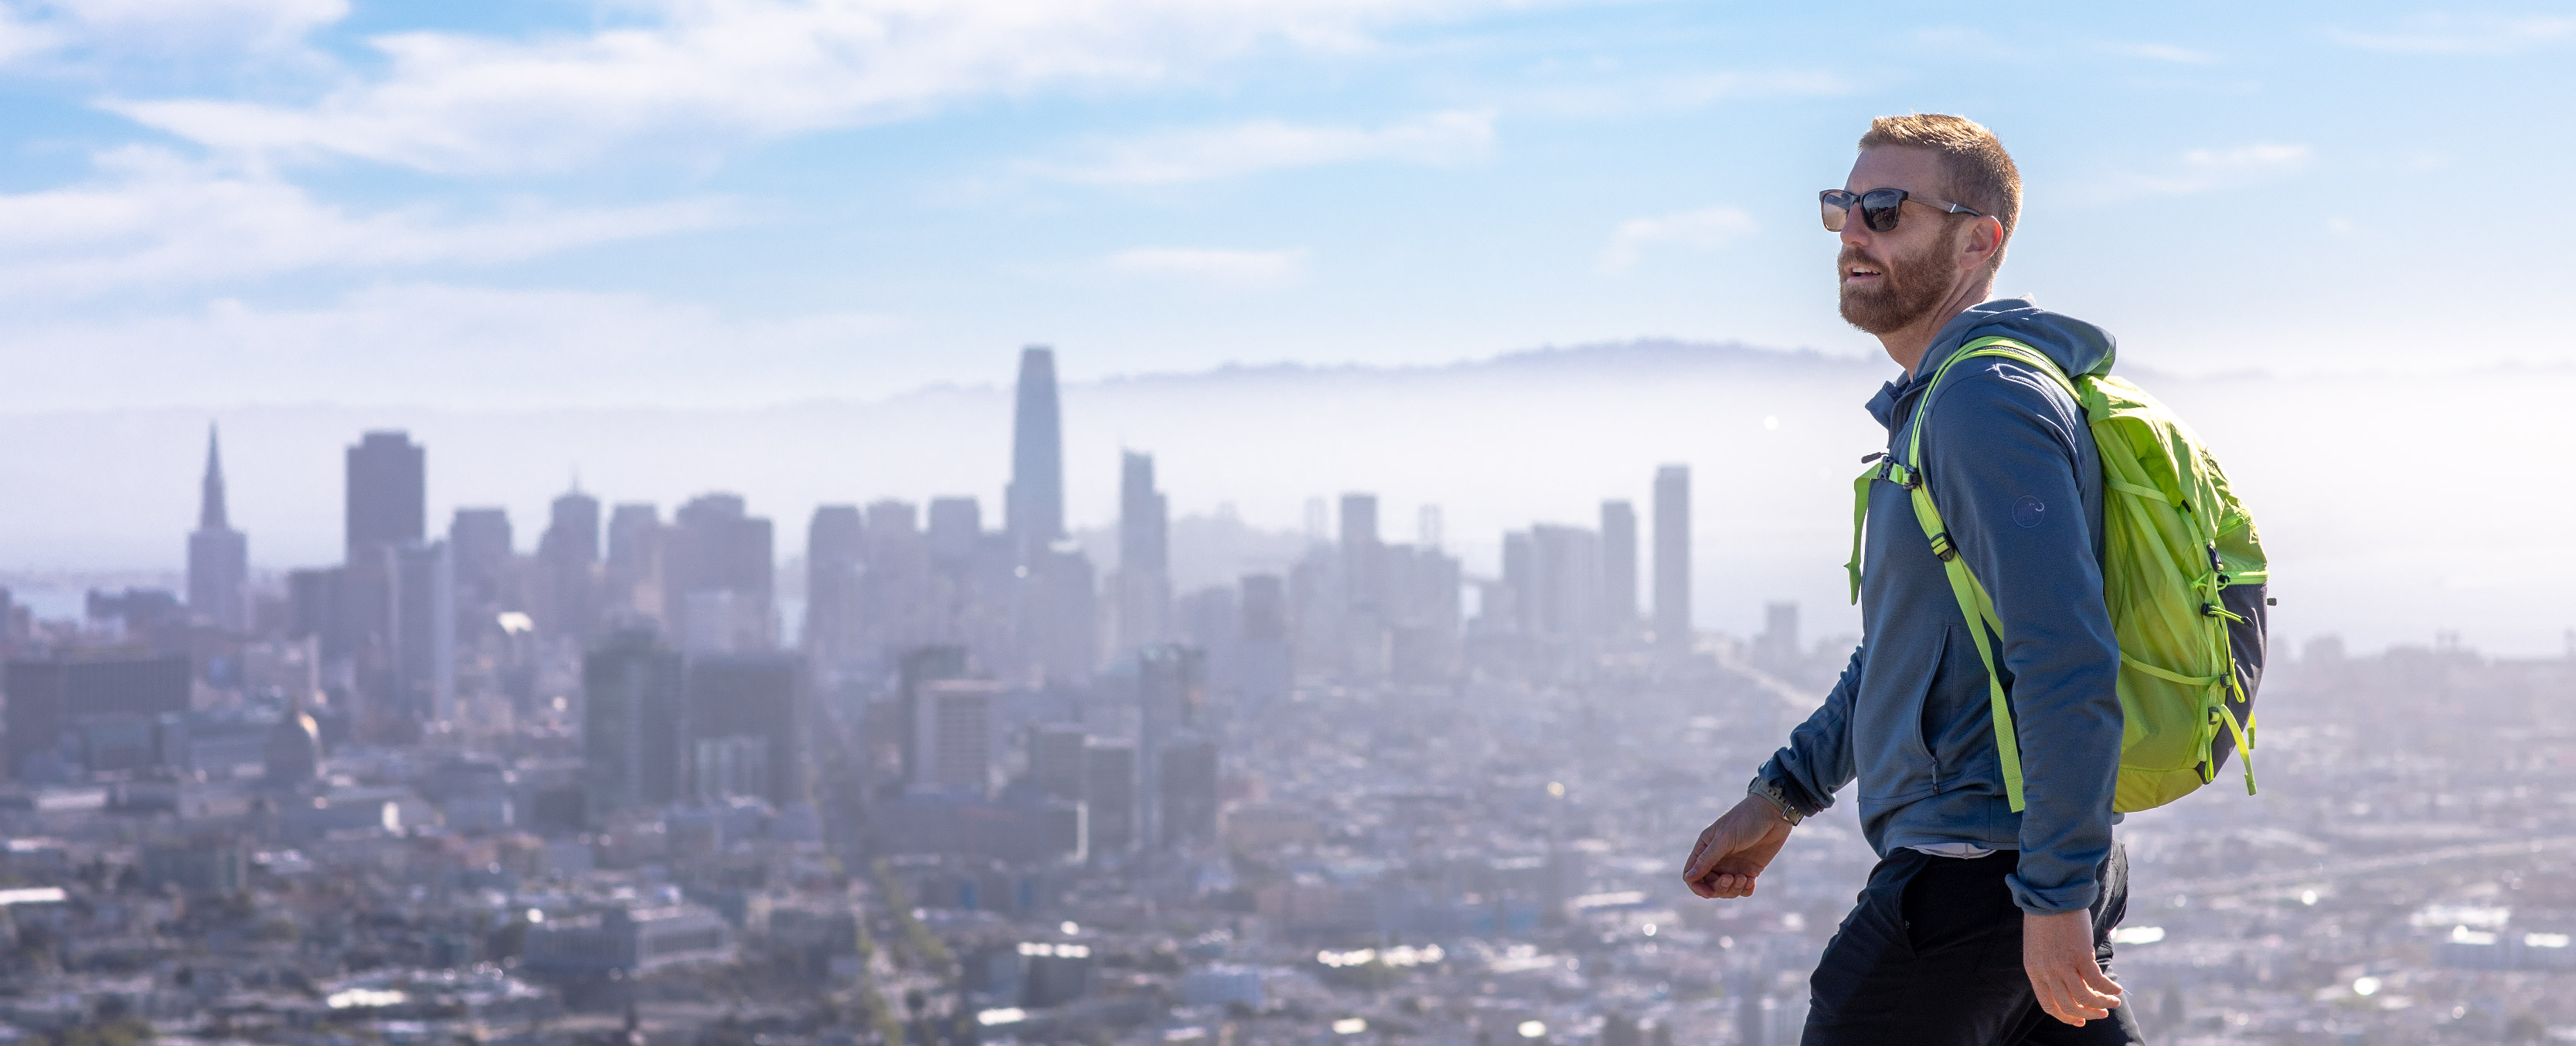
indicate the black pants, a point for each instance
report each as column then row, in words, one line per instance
column 1931, row 956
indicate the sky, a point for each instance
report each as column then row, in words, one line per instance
column 730, row 203
column 695, row 244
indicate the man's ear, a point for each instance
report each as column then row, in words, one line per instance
column 1984, row 241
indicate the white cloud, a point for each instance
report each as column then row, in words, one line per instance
column 1707, row 228
column 2163, row 53
column 2451, row 34
column 150, row 218
column 1682, row 91
column 200, row 24
column 156, row 29
column 1219, row 268
column 2209, row 170
column 1198, row 154
column 751, row 69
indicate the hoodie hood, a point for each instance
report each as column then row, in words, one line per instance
column 2077, row 347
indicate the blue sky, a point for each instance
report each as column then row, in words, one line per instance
column 730, row 202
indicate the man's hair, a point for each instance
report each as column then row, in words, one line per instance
column 1980, row 172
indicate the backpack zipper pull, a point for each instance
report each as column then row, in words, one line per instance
column 1873, row 457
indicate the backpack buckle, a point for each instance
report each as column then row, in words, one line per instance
column 1943, row 548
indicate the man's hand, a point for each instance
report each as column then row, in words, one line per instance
column 2057, row 952
column 1735, row 849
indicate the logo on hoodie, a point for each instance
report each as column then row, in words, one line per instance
column 2027, row 511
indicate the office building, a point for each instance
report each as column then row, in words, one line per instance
column 746, row 728
column 481, row 543
column 1187, row 793
column 1619, row 566
column 718, row 577
column 568, row 568
column 1267, row 666
column 1563, row 598
column 1673, row 558
column 631, row 576
column 1144, row 585
column 835, row 567
column 1109, row 800
column 914, row 672
column 1171, row 698
column 634, row 715
column 52, row 698
column 954, row 718
column 956, row 529
column 1033, row 509
column 388, row 500
column 904, row 607
column 218, row 555
column 424, row 619
column 1057, row 761
column 1059, row 630
column 1776, row 649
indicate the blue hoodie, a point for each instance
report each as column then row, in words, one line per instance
column 2012, row 467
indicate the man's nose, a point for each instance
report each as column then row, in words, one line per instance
column 1855, row 234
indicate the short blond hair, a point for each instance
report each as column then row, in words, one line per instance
column 1980, row 172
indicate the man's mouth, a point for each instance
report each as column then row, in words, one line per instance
column 1858, row 273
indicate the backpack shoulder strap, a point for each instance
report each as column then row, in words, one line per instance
column 1974, row 604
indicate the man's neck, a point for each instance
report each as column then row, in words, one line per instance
column 1906, row 345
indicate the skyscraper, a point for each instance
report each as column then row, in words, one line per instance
column 632, row 575
column 632, row 723
column 425, row 631
column 1144, row 562
column 1618, row 565
column 1672, row 558
column 568, row 568
column 218, row 555
column 1034, row 502
column 745, row 726
column 835, row 563
column 718, row 577
column 388, row 501
column 482, row 544
column 1360, row 573
column 1268, row 665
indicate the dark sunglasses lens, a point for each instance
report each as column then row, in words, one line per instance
column 1837, row 208
column 1879, row 206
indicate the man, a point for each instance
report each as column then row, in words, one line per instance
column 1979, row 925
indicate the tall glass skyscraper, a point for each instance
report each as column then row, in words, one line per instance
column 1034, row 509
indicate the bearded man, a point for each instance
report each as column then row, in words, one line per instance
column 1979, row 924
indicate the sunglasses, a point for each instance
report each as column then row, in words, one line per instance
column 1878, row 207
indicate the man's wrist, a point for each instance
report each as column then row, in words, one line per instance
column 1771, row 793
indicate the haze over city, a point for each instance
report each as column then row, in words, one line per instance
column 1136, row 522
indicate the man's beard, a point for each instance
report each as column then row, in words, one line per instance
column 1908, row 288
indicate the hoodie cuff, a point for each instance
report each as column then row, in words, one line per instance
column 2073, row 897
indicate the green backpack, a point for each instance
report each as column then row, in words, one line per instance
column 2183, row 572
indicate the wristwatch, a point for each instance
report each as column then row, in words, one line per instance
column 1771, row 793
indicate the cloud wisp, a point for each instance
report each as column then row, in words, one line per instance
column 1217, row 268
column 150, row 219
column 1706, row 228
column 736, row 70
column 1200, row 154
column 2445, row 34
column 2209, row 170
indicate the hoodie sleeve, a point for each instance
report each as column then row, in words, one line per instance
column 2009, row 459
column 1817, row 761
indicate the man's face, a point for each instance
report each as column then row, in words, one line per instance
column 1891, row 279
